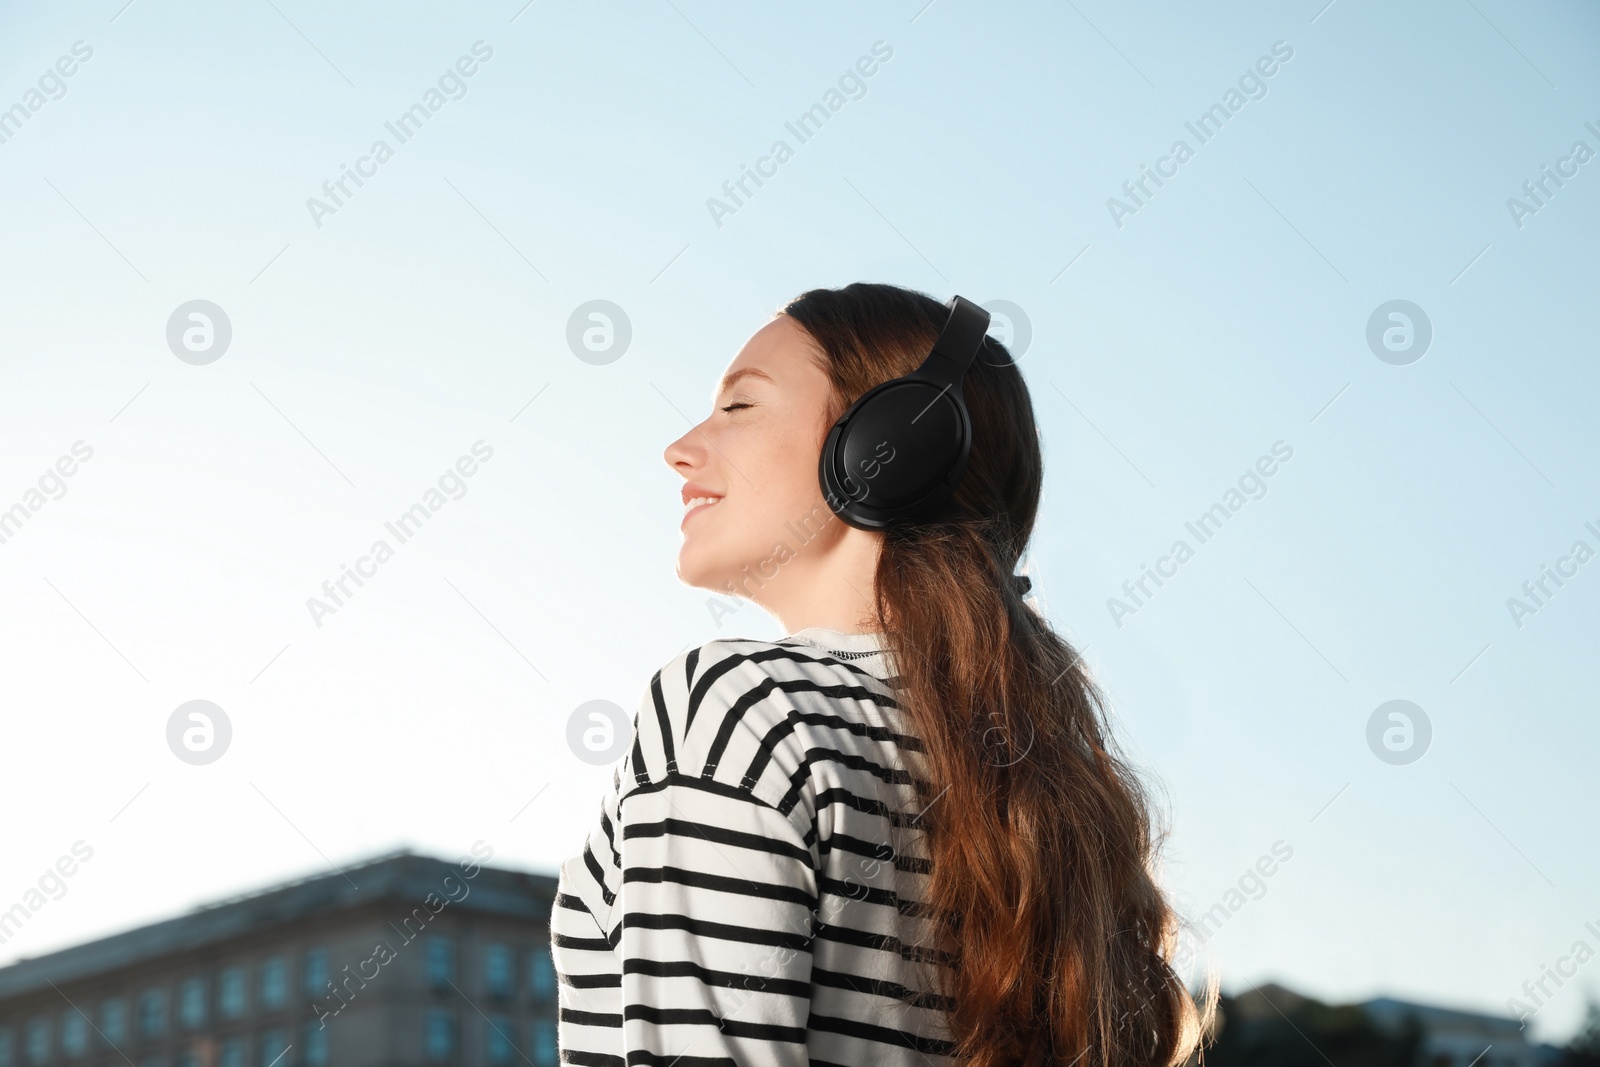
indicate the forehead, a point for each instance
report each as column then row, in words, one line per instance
column 781, row 352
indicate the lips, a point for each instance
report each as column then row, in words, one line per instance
column 697, row 505
column 691, row 490
column 697, row 498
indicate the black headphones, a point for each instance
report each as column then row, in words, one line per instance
column 899, row 451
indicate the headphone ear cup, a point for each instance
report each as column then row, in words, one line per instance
column 897, row 454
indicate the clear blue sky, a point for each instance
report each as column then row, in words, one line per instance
column 1171, row 348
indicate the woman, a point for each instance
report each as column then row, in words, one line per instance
column 897, row 835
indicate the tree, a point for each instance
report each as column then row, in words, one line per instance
column 1583, row 1050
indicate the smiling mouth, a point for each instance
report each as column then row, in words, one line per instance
column 697, row 504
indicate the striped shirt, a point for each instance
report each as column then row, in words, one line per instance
column 749, row 892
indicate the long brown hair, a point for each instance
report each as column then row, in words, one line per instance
column 1058, row 937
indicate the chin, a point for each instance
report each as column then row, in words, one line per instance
column 697, row 570
column 707, row 565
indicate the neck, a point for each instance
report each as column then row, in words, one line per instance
column 828, row 585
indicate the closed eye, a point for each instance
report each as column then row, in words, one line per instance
column 732, row 407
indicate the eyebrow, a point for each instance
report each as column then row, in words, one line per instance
column 730, row 380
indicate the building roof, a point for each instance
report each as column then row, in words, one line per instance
column 1270, row 999
column 397, row 876
column 1267, row 1000
column 1390, row 1012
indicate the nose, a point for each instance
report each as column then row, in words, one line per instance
column 687, row 453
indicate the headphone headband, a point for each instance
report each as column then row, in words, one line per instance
column 957, row 344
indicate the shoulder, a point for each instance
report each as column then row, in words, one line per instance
column 722, row 716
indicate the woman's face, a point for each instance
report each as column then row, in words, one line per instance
column 756, row 454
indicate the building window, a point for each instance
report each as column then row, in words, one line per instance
column 543, row 1040
column 230, row 993
column 441, row 962
column 272, row 1046
column 315, row 973
column 232, row 1054
column 441, row 1037
column 37, row 1043
column 314, row 1046
column 114, row 1020
column 8, row 1052
column 274, row 982
column 74, row 1033
column 192, row 1003
column 499, row 971
column 497, row 1037
column 152, row 1013
column 541, row 974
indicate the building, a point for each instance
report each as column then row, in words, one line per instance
column 1271, row 1024
column 403, row 960
column 1454, row 1038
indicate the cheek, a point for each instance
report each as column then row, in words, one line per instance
column 775, row 501
column 771, row 467
column 785, row 456
column 793, row 486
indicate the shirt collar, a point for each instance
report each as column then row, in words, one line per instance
column 864, row 650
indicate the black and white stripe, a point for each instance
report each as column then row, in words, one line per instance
column 749, row 894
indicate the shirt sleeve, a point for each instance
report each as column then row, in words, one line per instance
column 717, row 903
